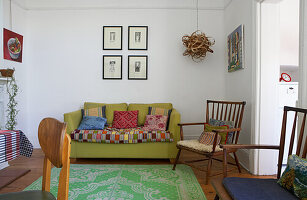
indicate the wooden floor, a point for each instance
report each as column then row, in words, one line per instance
column 35, row 163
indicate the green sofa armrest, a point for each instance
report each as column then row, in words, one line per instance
column 173, row 124
column 73, row 120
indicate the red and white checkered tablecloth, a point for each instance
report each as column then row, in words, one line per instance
column 13, row 144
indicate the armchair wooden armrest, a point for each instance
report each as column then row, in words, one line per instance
column 187, row 124
column 190, row 124
column 248, row 146
column 226, row 130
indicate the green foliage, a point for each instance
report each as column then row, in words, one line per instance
column 12, row 90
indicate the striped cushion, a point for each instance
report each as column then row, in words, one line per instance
column 97, row 112
column 208, row 138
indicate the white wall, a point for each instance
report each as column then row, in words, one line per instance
column 239, row 84
column 64, row 62
column 19, row 25
column 289, row 31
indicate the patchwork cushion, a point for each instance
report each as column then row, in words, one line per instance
column 92, row 123
column 209, row 128
column 155, row 123
column 255, row 189
column 125, row 119
column 160, row 111
column 208, row 138
column 196, row 145
column 230, row 124
column 294, row 178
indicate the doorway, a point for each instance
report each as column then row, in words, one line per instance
column 279, row 74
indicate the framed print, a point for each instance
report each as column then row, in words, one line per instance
column 235, row 49
column 112, row 37
column 112, row 67
column 137, row 67
column 137, row 37
column 12, row 46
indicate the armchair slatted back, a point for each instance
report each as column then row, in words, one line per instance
column 301, row 149
column 226, row 111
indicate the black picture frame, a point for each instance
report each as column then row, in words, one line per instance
column 146, row 73
column 103, row 38
column 130, row 42
column 103, row 67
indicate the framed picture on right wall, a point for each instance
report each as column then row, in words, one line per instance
column 235, row 49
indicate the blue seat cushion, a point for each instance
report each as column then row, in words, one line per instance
column 250, row 189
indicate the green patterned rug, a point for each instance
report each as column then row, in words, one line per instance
column 110, row 182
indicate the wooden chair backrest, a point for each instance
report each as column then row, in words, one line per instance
column 226, row 111
column 301, row 149
column 55, row 143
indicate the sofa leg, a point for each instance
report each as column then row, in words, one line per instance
column 177, row 158
column 216, row 197
column 73, row 160
column 172, row 160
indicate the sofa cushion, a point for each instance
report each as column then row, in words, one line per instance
column 208, row 138
column 255, row 189
column 294, row 178
column 143, row 109
column 125, row 119
column 209, row 128
column 155, row 123
column 161, row 111
column 98, row 112
column 92, row 123
column 230, row 124
column 110, row 108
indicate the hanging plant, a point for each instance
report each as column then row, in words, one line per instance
column 12, row 90
column 197, row 44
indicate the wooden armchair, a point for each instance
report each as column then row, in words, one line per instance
column 263, row 188
column 55, row 143
column 218, row 110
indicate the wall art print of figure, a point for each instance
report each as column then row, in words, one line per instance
column 235, row 49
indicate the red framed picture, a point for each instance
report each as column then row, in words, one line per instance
column 12, row 45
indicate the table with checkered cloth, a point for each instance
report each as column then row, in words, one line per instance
column 13, row 144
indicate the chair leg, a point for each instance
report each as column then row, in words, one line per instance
column 216, row 197
column 237, row 161
column 177, row 158
column 208, row 170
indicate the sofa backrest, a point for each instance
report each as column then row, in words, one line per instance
column 142, row 108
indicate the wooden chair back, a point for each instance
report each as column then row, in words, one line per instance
column 55, row 143
column 226, row 111
column 301, row 149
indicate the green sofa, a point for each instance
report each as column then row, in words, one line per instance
column 142, row 150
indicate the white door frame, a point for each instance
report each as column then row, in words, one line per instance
column 302, row 102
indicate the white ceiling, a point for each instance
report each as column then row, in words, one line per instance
column 120, row 4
